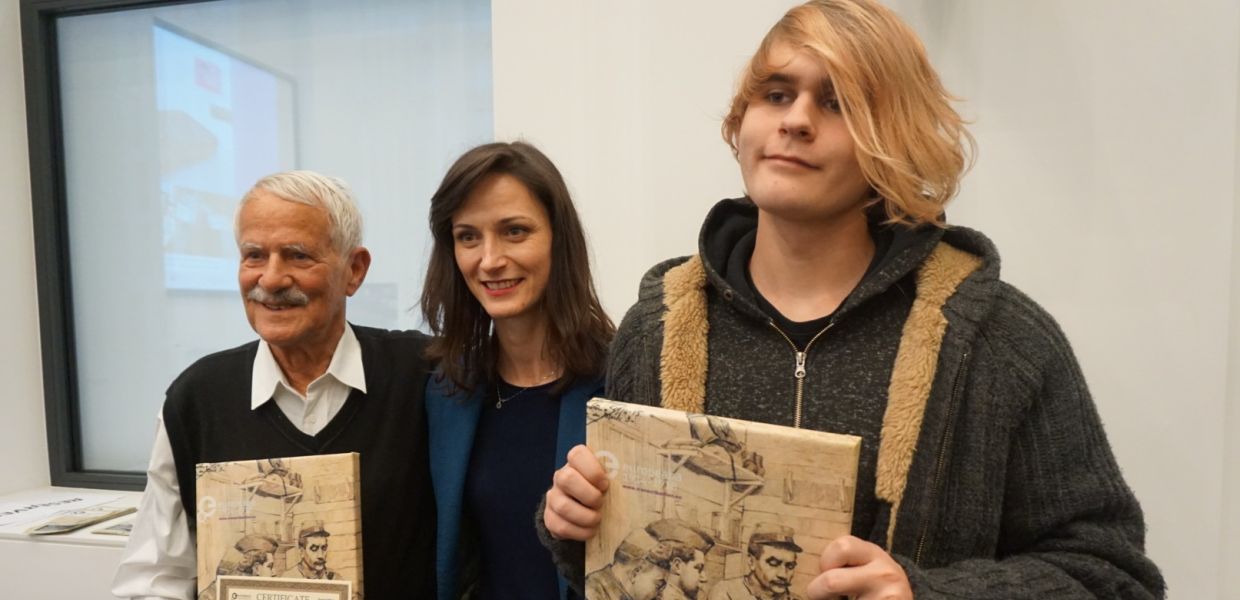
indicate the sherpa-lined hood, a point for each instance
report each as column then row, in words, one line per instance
column 947, row 263
column 726, row 242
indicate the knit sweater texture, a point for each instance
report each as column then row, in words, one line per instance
column 985, row 470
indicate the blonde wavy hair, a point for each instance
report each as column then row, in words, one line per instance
column 911, row 144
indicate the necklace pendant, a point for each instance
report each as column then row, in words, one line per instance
column 499, row 404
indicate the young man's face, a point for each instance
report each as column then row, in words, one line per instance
column 796, row 154
column 773, row 569
column 691, row 575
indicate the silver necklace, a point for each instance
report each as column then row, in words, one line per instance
column 500, row 400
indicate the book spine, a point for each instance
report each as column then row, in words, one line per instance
column 358, row 592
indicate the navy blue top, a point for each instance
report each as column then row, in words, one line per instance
column 452, row 420
column 510, row 469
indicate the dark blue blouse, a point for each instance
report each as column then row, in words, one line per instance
column 510, row 469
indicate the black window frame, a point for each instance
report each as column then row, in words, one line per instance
column 51, row 237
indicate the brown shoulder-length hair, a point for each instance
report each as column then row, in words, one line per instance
column 578, row 329
column 911, row 144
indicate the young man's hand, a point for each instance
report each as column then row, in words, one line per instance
column 857, row 569
column 576, row 494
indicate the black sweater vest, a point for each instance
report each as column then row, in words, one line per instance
column 208, row 418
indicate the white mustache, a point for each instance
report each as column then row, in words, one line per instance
column 291, row 296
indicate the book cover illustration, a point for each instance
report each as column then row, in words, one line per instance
column 283, row 518
column 712, row 508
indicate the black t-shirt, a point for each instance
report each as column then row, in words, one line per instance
column 801, row 332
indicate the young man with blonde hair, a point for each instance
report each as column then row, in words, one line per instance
column 836, row 297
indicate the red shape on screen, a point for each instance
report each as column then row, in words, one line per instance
column 207, row 75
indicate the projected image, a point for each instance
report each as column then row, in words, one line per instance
column 224, row 122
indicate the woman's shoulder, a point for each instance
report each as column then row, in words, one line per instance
column 588, row 386
column 441, row 389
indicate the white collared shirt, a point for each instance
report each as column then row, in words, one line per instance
column 324, row 396
column 159, row 560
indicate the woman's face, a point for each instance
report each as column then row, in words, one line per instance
column 502, row 241
column 796, row 154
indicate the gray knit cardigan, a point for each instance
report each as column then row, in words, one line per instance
column 993, row 463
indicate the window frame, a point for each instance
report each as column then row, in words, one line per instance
column 51, row 237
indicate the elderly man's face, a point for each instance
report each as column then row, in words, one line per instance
column 292, row 279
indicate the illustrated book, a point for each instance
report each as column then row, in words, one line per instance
column 75, row 519
column 276, row 526
column 699, row 502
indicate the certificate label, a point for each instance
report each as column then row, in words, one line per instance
column 278, row 588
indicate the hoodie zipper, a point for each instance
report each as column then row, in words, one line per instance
column 798, row 372
column 936, row 486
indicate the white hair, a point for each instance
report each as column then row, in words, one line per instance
column 315, row 189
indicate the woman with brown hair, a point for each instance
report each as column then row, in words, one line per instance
column 520, row 345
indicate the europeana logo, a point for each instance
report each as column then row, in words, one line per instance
column 610, row 463
column 206, row 508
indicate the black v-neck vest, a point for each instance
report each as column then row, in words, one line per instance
column 208, row 419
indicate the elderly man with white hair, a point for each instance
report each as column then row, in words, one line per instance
column 312, row 384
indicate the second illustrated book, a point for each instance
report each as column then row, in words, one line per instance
column 713, row 508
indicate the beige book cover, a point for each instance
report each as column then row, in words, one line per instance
column 278, row 522
column 712, row 508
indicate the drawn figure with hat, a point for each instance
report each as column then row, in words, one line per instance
column 688, row 546
column 312, row 542
column 771, row 560
column 638, row 570
column 254, row 558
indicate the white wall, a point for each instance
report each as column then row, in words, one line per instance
column 1107, row 177
column 23, row 439
column 626, row 98
column 35, row 570
column 1229, row 578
